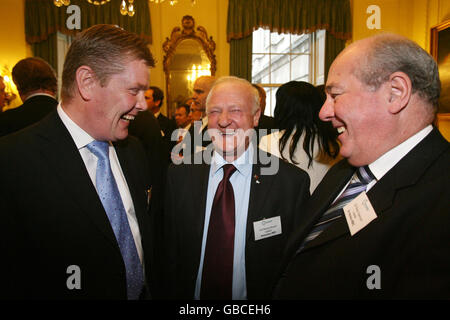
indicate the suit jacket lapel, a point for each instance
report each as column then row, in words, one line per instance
column 407, row 172
column 333, row 182
column 200, row 178
column 382, row 195
column 259, row 189
column 131, row 174
column 61, row 153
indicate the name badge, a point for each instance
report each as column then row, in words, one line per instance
column 267, row 228
column 359, row 213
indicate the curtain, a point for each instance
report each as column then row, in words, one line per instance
column 43, row 19
column 47, row 50
column 293, row 16
column 332, row 48
column 241, row 58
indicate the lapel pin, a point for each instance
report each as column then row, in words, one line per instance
column 256, row 178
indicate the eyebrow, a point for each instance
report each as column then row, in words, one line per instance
column 332, row 86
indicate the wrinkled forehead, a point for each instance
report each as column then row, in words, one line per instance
column 230, row 94
column 343, row 67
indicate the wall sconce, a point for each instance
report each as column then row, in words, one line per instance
column 10, row 87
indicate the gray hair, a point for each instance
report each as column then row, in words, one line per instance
column 253, row 91
column 389, row 53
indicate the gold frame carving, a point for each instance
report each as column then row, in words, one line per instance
column 440, row 50
column 188, row 31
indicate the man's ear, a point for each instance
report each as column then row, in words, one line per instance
column 400, row 89
column 256, row 117
column 157, row 103
column 86, row 82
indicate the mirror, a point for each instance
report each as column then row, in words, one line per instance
column 189, row 54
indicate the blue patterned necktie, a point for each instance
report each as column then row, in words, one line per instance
column 115, row 210
column 358, row 184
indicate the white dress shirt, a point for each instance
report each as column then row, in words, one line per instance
column 241, row 181
column 387, row 161
column 82, row 139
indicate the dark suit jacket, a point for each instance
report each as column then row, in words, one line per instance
column 408, row 241
column 52, row 217
column 33, row 110
column 167, row 125
column 146, row 128
column 282, row 194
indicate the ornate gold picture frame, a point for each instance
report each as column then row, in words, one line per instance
column 440, row 50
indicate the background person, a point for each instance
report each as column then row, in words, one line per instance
column 36, row 83
column 303, row 139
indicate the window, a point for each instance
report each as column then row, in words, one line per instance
column 62, row 46
column 280, row 58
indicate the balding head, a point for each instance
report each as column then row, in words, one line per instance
column 389, row 53
column 380, row 91
column 202, row 86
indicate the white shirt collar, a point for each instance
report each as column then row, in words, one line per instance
column 79, row 136
column 243, row 164
column 39, row 94
column 387, row 161
column 204, row 122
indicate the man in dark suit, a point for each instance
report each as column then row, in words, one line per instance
column 36, row 82
column 268, row 195
column 75, row 189
column 197, row 137
column 155, row 97
column 391, row 241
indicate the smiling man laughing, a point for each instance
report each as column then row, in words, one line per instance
column 226, row 227
column 74, row 193
column 376, row 227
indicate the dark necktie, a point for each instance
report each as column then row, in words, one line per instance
column 217, row 275
column 358, row 184
column 115, row 210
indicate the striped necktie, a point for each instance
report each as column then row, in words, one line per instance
column 358, row 184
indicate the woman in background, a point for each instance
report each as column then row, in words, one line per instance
column 303, row 139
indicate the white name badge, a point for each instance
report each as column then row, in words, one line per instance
column 359, row 213
column 267, row 228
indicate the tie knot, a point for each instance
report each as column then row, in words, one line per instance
column 228, row 171
column 365, row 175
column 100, row 149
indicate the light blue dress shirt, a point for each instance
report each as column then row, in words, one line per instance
column 240, row 180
